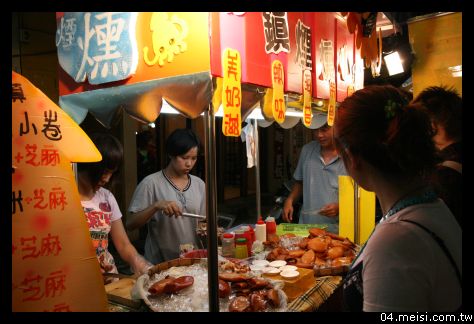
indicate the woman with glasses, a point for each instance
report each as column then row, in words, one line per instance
column 101, row 209
column 161, row 198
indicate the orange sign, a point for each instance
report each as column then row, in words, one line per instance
column 231, row 93
column 307, row 112
column 278, row 102
column 332, row 103
column 167, row 44
column 54, row 267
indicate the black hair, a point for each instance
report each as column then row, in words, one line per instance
column 112, row 154
column 380, row 124
column 180, row 141
column 445, row 108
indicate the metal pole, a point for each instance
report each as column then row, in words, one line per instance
column 211, row 208
column 257, row 170
column 356, row 214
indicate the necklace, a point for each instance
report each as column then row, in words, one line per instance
column 427, row 196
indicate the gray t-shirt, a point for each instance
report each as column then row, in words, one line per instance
column 404, row 269
column 320, row 183
column 165, row 234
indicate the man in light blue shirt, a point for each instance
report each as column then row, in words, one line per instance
column 316, row 177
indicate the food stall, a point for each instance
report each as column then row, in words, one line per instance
column 277, row 61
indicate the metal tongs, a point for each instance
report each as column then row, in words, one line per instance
column 202, row 217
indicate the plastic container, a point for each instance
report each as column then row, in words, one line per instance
column 271, row 227
column 228, row 245
column 261, row 231
column 241, row 251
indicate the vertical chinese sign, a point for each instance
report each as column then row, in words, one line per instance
column 231, row 93
column 307, row 111
column 54, row 267
column 332, row 103
column 278, row 102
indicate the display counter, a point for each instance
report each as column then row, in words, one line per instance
column 316, row 298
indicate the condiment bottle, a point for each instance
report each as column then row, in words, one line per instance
column 241, row 251
column 271, row 227
column 248, row 237
column 252, row 234
column 261, row 230
column 228, row 246
column 239, row 233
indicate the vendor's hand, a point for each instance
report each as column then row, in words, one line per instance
column 288, row 211
column 169, row 208
column 140, row 265
column 330, row 210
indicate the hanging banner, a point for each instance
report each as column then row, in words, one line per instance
column 344, row 59
column 54, row 266
column 300, row 57
column 278, row 100
column 324, row 53
column 307, row 111
column 231, row 93
column 260, row 38
column 332, row 103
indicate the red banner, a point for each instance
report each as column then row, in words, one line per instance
column 344, row 59
column 324, row 49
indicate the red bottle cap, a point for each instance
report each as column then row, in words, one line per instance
column 260, row 221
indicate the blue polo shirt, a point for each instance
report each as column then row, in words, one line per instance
column 320, row 184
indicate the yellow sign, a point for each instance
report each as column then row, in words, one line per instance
column 437, row 42
column 54, row 266
column 278, row 100
column 332, row 103
column 231, row 92
column 355, row 226
column 307, row 87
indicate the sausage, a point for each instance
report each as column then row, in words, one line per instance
column 170, row 285
column 239, row 304
column 178, row 284
column 159, row 286
column 257, row 302
column 224, row 289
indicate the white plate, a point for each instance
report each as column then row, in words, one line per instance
column 289, row 274
column 289, row 268
column 277, row 263
column 271, row 270
column 256, row 267
column 262, row 263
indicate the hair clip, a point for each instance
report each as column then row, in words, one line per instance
column 391, row 109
